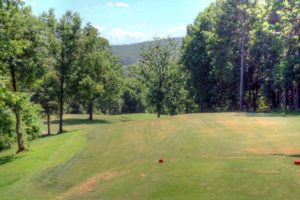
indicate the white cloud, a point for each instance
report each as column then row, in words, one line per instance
column 119, row 4
column 120, row 36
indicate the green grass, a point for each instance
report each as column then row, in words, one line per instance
column 207, row 156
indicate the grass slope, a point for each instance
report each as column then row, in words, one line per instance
column 207, row 156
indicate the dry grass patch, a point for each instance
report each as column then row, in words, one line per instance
column 90, row 184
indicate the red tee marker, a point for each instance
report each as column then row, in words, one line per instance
column 161, row 161
column 297, row 162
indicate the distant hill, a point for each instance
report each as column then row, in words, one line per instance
column 129, row 54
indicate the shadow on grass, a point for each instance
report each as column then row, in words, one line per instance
column 294, row 155
column 251, row 114
column 290, row 113
column 286, row 155
column 56, row 134
column 7, row 159
column 82, row 121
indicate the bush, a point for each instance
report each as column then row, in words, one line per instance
column 31, row 115
column 31, row 123
column 7, row 123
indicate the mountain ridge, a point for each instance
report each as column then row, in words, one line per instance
column 129, row 54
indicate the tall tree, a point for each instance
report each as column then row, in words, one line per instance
column 46, row 95
column 156, row 62
column 197, row 60
column 23, row 54
column 89, row 72
column 69, row 33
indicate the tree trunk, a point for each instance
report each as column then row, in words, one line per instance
column 48, row 122
column 278, row 99
column 297, row 96
column 255, row 96
column 21, row 146
column 249, row 100
column 187, row 108
column 109, row 107
column 292, row 105
column 242, row 69
column 91, row 110
column 158, row 106
column 285, row 99
column 254, row 104
column 61, row 104
column 273, row 100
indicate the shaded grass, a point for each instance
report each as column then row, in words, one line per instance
column 82, row 121
column 207, row 156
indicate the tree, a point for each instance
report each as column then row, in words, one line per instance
column 89, row 72
column 233, row 53
column 23, row 55
column 198, row 62
column 176, row 100
column 156, row 62
column 46, row 95
column 134, row 100
column 69, row 33
column 46, row 92
column 288, row 30
column 113, row 83
column 233, row 25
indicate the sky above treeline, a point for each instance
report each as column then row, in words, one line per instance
column 129, row 21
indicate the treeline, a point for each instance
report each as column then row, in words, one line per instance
column 244, row 55
column 53, row 66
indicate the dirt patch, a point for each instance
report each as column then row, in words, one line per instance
column 290, row 150
column 267, row 122
column 259, row 151
column 90, row 184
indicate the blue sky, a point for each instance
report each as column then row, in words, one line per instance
column 129, row 21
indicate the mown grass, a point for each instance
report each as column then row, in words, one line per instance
column 206, row 156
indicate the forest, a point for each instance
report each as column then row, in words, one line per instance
column 238, row 55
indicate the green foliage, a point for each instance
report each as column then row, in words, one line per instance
column 157, row 67
column 198, row 62
column 133, row 96
column 213, row 50
column 24, row 47
column 111, row 101
column 6, row 117
column 46, row 93
column 31, row 118
column 7, row 136
column 87, row 78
